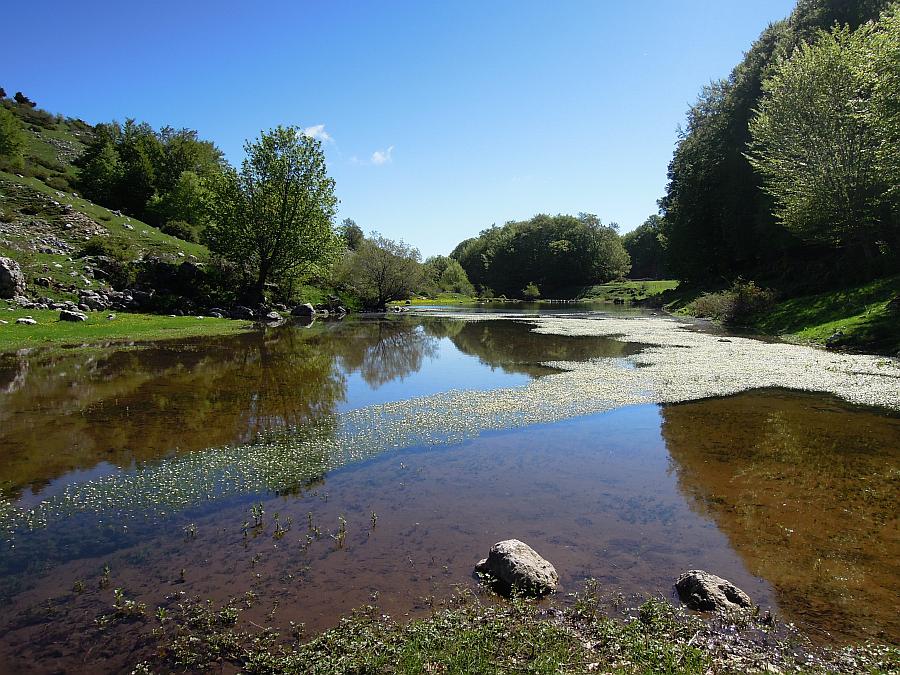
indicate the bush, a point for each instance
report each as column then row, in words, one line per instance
column 105, row 246
column 182, row 230
column 59, row 183
column 736, row 305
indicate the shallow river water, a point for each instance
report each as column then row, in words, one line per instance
column 213, row 467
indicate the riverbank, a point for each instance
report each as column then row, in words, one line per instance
column 863, row 318
column 469, row 634
column 49, row 330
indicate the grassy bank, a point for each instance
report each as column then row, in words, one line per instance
column 626, row 291
column 467, row 635
column 860, row 313
column 49, row 330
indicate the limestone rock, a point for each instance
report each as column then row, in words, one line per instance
column 12, row 281
column 26, row 321
column 706, row 592
column 71, row 315
column 515, row 565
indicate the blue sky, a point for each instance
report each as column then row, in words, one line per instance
column 442, row 118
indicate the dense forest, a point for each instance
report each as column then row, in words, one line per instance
column 787, row 170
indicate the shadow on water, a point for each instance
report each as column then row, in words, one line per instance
column 806, row 489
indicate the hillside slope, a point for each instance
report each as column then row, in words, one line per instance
column 45, row 224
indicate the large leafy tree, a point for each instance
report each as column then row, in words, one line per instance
column 644, row 246
column 816, row 143
column 274, row 216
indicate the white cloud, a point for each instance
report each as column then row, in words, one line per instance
column 380, row 157
column 318, row 131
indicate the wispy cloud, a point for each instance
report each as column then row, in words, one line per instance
column 378, row 158
column 318, row 131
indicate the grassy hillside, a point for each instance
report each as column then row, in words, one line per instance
column 44, row 222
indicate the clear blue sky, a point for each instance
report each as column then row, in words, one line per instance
column 442, row 117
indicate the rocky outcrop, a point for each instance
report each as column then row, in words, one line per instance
column 26, row 321
column 514, row 565
column 12, row 281
column 706, row 592
column 71, row 315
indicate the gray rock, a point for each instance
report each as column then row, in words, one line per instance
column 69, row 315
column 833, row 341
column 304, row 310
column 241, row 312
column 706, row 592
column 515, row 565
column 274, row 316
column 26, row 321
column 12, row 281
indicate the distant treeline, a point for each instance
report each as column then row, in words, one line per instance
column 541, row 256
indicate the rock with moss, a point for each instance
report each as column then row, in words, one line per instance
column 706, row 592
column 514, row 565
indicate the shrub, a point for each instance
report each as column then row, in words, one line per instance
column 531, row 291
column 105, row 246
column 182, row 230
column 736, row 305
column 59, row 182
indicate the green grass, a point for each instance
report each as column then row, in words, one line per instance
column 441, row 299
column 859, row 312
column 628, row 291
column 49, row 330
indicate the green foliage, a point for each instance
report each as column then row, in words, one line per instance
column 644, row 247
column 351, row 233
column 154, row 176
column 531, row 291
column 445, row 275
column 382, row 270
column 12, row 140
column 273, row 218
column 182, row 230
column 718, row 222
column 553, row 252
column 108, row 247
column 815, row 145
column 743, row 301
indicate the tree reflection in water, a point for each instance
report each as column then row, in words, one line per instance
column 805, row 487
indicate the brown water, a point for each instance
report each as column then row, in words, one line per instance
column 791, row 496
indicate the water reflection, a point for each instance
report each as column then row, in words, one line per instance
column 68, row 411
column 806, row 489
